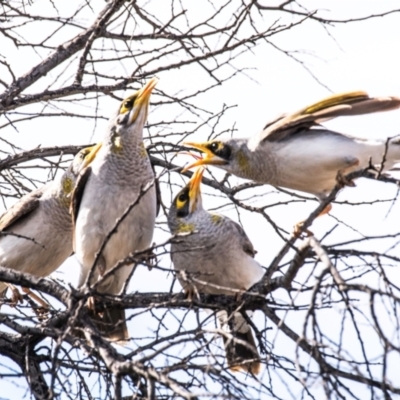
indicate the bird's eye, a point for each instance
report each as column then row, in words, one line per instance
column 214, row 146
column 128, row 104
column 182, row 197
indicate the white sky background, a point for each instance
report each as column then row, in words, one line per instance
column 359, row 56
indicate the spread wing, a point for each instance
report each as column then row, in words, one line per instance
column 22, row 208
column 344, row 104
column 244, row 240
column 77, row 193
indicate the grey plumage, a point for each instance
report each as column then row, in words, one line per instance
column 36, row 232
column 212, row 254
column 294, row 151
column 115, row 179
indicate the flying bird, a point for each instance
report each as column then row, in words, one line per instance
column 294, row 151
column 212, row 254
column 36, row 232
column 119, row 176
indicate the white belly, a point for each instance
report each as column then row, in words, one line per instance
column 98, row 214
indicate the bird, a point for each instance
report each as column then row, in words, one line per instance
column 213, row 255
column 36, row 232
column 119, row 176
column 295, row 151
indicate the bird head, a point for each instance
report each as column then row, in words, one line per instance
column 131, row 115
column 217, row 152
column 84, row 158
column 188, row 201
column 81, row 160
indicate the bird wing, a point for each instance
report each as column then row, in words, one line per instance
column 158, row 190
column 247, row 246
column 22, row 208
column 350, row 103
column 77, row 193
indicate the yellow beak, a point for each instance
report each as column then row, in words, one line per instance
column 143, row 98
column 209, row 159
column 194, row 188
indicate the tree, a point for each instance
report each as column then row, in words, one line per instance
column 326, row 312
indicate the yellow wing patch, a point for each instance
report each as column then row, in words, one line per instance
column 334, row 100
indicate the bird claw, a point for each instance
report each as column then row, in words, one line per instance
column 342, row 180
column 189, row 294
column 297, row 229
column 341, row 174
column 15, row 295
column 150, row 259
column 298, row 232
column 239, row 295
column 43, row 310
column 91, row 305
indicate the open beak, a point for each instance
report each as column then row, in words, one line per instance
column 209, row 159
column 91, row 155
column 194, row 189
column 143, row 98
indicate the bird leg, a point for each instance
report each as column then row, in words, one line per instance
column 189, row 293
column 41, row 311
column 149, row 258
column 298, row 226
column 15, row 295
column 91, row 304
column 239, row 295
column 341, row 174
column 35, row 297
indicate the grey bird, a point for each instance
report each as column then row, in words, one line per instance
column 212, row 254
column 294, row 151
column 120, row 175
column 36, row 232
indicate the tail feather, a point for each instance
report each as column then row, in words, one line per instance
column 241, row 350
column 111, row 323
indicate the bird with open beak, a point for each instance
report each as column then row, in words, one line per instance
column 212, row 254
column 119, row 176
column 294, row 151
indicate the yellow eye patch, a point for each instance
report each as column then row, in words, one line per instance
column 181, row 200
column 128, row 104
column 83, row 153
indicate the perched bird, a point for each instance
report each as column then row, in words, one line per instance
column 120, row 175
column 36, row 232
column 294, row 151
column 213, row 255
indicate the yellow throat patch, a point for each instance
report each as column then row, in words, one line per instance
column 183, row 227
